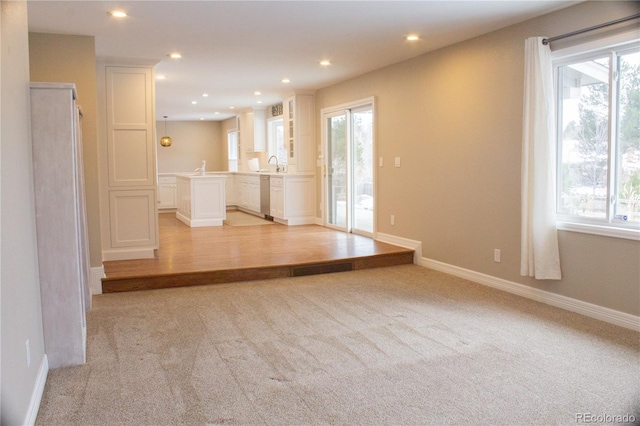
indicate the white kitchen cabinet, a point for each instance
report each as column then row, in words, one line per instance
column 201, row 200
column 299, row 199
column 299, row 131
column 183, row 197
column 167, row 192
column 292, row 196
column 253, row 193
column 127, row 157
column 276, row 197
column 63, row 256
column 248, row 195
column 230, row 190
column 240, row 189
column 253, row 130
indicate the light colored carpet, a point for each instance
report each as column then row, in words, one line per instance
column 238, row 218
column 391, row 346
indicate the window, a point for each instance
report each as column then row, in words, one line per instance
column 275, row 140
column 598, row 117
column 232, row 141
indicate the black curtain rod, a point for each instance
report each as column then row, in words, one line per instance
column 596, row 27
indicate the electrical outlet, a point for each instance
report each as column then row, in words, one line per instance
column 393, row 219
column 28, row 354
column 496, row 255
column 397, row 161
column 380, row 162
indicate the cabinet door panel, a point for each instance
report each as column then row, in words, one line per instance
column 129, row 91
column 277, row 202
column 130, row 156
column 167, row 195
column 133, row 218
column 208, row 199
column 130, row 124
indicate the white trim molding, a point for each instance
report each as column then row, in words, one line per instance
column 601, row 313
column 602, row 230
column 95, row 283
column 38, row 391
column 402, row 242
column 127, row 254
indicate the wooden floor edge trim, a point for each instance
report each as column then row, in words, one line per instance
column 356, row 259
column 174, row 280
column 193, row 279
column 390, row 259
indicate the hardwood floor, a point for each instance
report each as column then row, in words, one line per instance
column 212, row 255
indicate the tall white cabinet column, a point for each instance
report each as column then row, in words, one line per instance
column 299, row 132
column 63, row 254
column 127, row 157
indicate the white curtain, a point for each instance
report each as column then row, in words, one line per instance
column 539, row 246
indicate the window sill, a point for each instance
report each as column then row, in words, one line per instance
column 606, row 231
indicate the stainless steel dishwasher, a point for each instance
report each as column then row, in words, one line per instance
column 265, row 204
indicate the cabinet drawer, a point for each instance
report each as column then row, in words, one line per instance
column 276, row 181
column 166, row 179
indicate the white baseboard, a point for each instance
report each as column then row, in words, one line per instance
column 402, row 242
column 95, row 283
column 38, row 390
column 127, row 254
column 601, row 313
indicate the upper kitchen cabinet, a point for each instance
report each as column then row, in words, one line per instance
column 298, row 132
column 253, row 130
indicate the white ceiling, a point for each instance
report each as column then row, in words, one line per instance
column 233, row 48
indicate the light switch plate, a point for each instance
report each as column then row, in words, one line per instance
column 397, row 161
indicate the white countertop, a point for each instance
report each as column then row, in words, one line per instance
column 195, row 175
column 214, row 174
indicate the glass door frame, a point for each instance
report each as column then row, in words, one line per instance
column 325, row 114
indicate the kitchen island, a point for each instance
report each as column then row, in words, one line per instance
column 292, row 196
column 201, row 199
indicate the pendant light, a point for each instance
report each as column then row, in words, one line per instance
column 166, row 140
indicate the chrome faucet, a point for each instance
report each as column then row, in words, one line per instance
column 202, row 169
column 277, row 166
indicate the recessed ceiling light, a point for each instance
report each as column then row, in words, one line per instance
column 216, row 113
column 259, row 102
column 204, row 95
column 175, row 55
column 194, row 102
column 201, row 118
column 117, row 14
column 325, row 62
column 257, row 93
column 286, row 80
column 160, row 77
column 413, row 37
column 232, row 107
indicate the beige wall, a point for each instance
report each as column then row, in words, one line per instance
column 21, row 317
column 72, row 59
column 454, row 116
column 193, row 141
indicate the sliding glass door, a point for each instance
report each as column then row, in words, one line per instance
column 349, row 169
column 336, row 170
column 362, row 169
